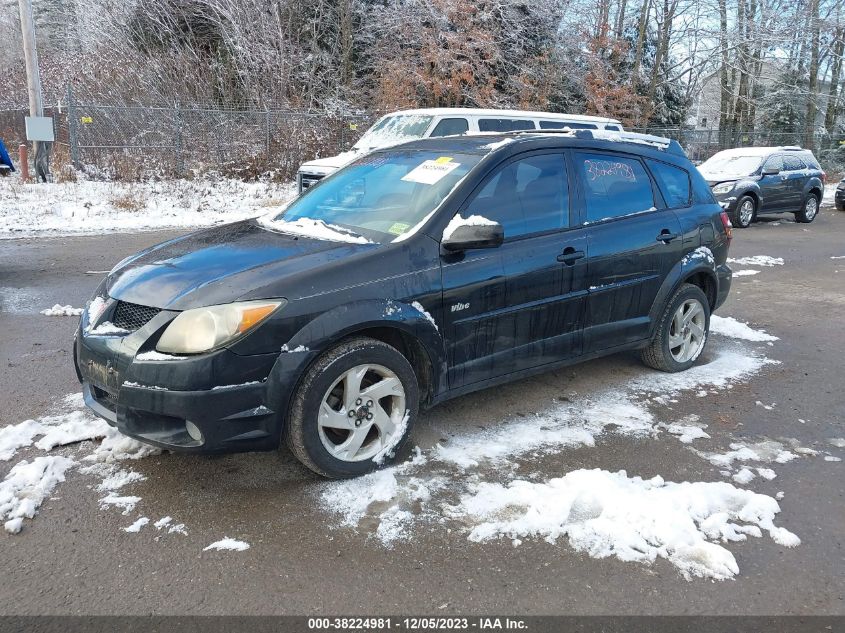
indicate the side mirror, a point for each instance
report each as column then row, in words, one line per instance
column 770, row 171
column 469, row 236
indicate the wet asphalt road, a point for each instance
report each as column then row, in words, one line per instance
column 73, row 558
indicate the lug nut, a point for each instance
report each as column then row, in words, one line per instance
column 369, row 403
column 358, row 402
column 369, row 416
column 351, row 414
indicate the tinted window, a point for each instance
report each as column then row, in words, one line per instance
column 673, row 182
column 793, row 163
column 504, row 125
column 450, row 127
column 526, row 196
column 559, row 125
column 810, row 160
column 614, row 186
column 616, row 128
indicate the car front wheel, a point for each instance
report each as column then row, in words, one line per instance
column 810, row 209
column 746, row 212
column 353, row 410
column 681, row 333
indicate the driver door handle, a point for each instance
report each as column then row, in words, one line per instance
column 569, row 256
column 666, row 236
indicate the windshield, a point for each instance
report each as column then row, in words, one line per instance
column 392, row 130
column 732, row 164
column 377, row 198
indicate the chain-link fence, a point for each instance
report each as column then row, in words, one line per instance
column 136, row 142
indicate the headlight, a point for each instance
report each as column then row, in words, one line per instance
column 203, row 329
column 724, row 187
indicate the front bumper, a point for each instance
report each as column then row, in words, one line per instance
column 233, row 403
column 727, row 201
column 839, row 198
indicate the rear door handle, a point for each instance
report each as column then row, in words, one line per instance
column 569, row 256
column 666, row 237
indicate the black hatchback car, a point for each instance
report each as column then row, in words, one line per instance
column 752, row 180
column 413, row 275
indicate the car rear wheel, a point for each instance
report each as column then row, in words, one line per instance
column 745, row 213
column 810, row 209
column 354, row 409
column 681, row 333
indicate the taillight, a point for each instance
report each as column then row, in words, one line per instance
column 726, row 222
column 824, row 178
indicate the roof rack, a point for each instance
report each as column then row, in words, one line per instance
column 658, row 142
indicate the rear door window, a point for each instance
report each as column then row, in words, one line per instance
column 528, row 195
column 450, row 127
column 504, row 125
column 673, row 182
column 614, row 186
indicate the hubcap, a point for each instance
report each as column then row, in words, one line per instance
column 361, row 413
column 746, row 212
column 686, row 333
column 812, row 208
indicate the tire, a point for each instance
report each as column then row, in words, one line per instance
column 659, row 354
column 740, row 217
column 312, row 429
column 809, row 210
column 840, row 206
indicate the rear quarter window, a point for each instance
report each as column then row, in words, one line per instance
column 674, row 183
column 572, row 125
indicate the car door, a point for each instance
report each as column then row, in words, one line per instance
column 796, row 175
column 773, row 187
column 520, row 305
column 631, row 243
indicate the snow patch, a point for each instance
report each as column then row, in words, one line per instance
column 27, row 485
column 729, row 326
column 757, row 260
column 610, row 514
column 227, row 544
column 107, row 328
column 747, row 272
column 418, row 306
column 155, row 355
column 316, row 229
column 136, row 527
column 60, row 310
column 458, row 221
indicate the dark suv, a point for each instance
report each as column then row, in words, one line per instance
column 415, row 274
column 752, row 180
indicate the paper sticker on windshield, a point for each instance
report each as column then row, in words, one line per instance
column 398, row 228
column 430, row 171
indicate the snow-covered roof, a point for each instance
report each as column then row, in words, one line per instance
column 758, row 151
column 503, row 113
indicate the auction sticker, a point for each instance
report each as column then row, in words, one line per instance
column 431, row 171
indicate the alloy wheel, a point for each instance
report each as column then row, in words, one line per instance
column 687, row 333
column 746, row 212
column 812, row 208
column 361, row 413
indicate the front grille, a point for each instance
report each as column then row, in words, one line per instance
column 131, row 316
column 108, row 400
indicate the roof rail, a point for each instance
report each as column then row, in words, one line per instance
column 658, row 142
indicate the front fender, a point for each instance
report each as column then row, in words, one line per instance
column 342, row 321
column 700, row 260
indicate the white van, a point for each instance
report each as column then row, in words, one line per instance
column 408, row 125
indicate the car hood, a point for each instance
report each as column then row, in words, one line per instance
column 221, row 265
column 330, row 163
column 713, row 177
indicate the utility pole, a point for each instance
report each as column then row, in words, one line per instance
column 33, row 84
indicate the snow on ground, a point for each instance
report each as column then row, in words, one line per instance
column 610, row 514
column 728, row 326
column 60, row 310
column 829, row 193
column 747, row 272
column 757, row 260
column 27, row 485
column 227, row 544
column 89, row 207
column 136, row 527
column 474, row 484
